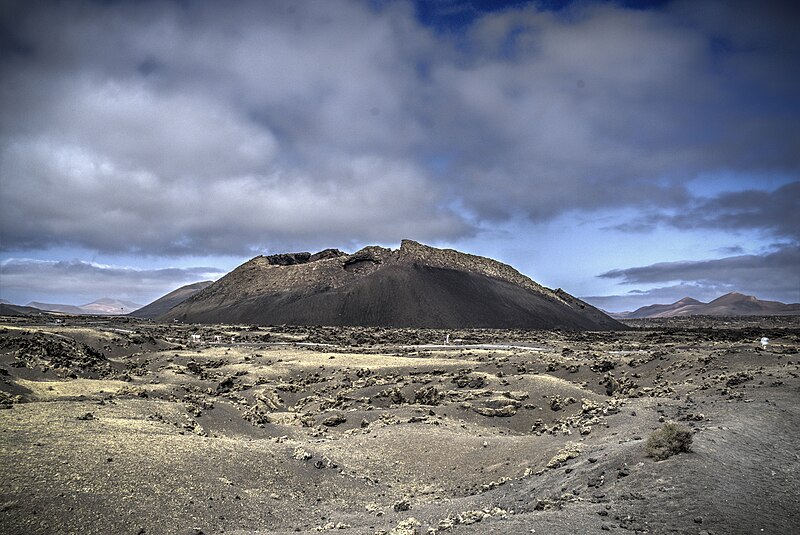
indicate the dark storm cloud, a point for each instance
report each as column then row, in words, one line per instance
column 732, row 250
column 603, row 107
column 150, row 127
column 771, row 274
column 178, row 128
column 91, row 281
column 777, row 213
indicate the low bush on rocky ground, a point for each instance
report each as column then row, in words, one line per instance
column 670, row 439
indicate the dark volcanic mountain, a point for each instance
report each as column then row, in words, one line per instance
column 414, row 286
column 163, row 304
column 730, row 304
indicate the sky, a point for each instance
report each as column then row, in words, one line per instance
column 628, row 152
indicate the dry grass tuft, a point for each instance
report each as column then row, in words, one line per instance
column 667, row 441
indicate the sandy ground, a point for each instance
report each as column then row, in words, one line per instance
column 125, row 426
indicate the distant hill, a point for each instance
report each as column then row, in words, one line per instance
column 54, row 307
column 654, row 311
column 414, row 286
column 10, row 309
column 731, row 304
column 109, row 306
column 104, row 306
column 163, row 304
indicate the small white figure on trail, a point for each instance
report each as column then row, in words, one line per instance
column 764, row 341
column 447, row 340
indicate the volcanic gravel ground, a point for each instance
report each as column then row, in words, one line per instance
column 125, row 426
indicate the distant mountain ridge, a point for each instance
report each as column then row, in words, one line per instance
column 56, row 307
column 413, row 286
column 730, row 304
column 103, row 306
column 9, row 309
column 163, row 304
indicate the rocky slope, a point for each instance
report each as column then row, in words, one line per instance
column 413, row 286
column 163, row 304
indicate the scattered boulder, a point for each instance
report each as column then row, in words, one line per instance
column 505, row 411
column 471, row 380
column 429, row 395
column 334, row 420
column 402, row 505
column 570, row 451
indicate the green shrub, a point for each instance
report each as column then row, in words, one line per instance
column 667, row 441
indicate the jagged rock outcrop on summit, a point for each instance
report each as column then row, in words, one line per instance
column 413, row 286
column 290, row 259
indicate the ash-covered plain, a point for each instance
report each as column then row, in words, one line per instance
column 120, row 425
